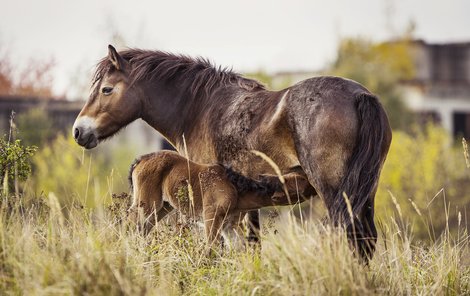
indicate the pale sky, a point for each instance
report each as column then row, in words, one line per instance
column 246, row 35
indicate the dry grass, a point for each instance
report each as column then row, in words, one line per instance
column 46, row 249
column 46, row 252
column 465, row 152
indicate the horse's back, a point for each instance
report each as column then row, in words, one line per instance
column 327, row 87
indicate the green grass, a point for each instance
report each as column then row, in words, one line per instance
column 65, row 235
column 48, row 250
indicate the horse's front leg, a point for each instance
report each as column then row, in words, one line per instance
column 253, row 225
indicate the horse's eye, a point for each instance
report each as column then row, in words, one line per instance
column 107, row 90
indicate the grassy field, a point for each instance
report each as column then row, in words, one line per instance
column 65, row 234
column 48, row 250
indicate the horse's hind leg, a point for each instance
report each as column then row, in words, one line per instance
column 370, row 231
column 327, row 184
column 342, row 152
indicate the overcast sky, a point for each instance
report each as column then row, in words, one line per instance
column 246, row 35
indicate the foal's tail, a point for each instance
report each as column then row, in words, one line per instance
column 131, row 170
column 132, row 167
column 359, row 184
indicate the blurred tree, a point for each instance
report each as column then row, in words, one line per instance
column 379, row 67
column 73, row 174
column 6, row 82
column 33, row 80
column 271, row 81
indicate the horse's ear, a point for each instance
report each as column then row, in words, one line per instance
column 116, row 59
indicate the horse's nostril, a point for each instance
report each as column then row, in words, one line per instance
column 76, row 133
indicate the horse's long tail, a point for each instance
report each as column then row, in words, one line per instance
column 359, row 185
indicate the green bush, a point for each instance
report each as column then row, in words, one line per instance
column 427, row 176
column 14, row 162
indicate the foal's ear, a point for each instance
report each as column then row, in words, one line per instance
column 114, row 57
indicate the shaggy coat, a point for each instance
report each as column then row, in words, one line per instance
column 165, row 180
column 333, row 128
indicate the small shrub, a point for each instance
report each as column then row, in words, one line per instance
column 14, row 162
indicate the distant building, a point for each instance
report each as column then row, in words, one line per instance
column 441, row 87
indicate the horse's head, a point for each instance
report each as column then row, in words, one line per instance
column 113, row 103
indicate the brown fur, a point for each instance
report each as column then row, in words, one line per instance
column 220, row 195
column 333, row 128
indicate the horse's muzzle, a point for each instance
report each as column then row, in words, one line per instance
column 84, row 133
column 87, row 140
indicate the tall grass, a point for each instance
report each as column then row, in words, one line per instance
column 48, row 250
column 425, row 172
column 73, row 240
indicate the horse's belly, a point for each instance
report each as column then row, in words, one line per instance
column 279, row 155
column 277, row 143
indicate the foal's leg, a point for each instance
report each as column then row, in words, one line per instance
column 234, row 230
column 147, row 202
column 153, row 210
column 165, row 210
column 213, row 222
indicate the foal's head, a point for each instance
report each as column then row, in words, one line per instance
column 296, row 183
column 113, row 102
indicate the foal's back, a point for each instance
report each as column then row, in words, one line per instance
column 186, row 185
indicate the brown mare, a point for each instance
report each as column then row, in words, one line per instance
column 160, row 182
column 333, row 128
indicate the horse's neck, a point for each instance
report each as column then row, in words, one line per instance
column 177, row 114
column 165, row 110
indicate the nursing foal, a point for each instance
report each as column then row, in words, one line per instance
column 165, row 180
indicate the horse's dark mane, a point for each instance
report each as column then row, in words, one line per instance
column 195, row 74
